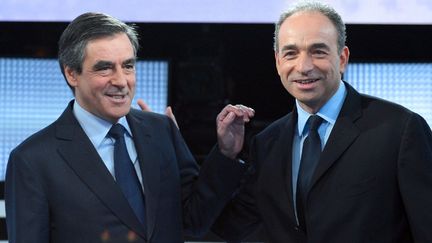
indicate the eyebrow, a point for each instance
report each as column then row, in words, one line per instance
column 289, row 47
column 129, row 61
column 103, row 64
column 319, row 45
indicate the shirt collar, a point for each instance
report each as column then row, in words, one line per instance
column 95, row 127
column 329, row 112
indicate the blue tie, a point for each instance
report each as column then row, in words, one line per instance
column 125, row 173
column 309, row 159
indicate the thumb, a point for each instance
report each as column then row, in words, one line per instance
column 170, row 114
column 143, row 105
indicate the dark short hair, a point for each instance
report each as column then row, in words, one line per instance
column 87, row 27
column 313, row 6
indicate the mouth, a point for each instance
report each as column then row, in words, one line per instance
column 117, row 97
column 305, row 81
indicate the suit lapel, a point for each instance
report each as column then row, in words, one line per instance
column 285, row 146
column 148, row 157
column 82, row 157
column 276, row 165
column 343, row 134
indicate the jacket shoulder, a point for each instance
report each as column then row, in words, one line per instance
column 276, row 127
column 384, row 109
column 37, row 139
column 149, row 117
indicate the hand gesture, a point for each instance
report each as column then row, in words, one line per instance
column 168, row 110
column 230, row 128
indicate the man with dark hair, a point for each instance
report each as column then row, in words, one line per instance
column 103, row 172
column 342, row 166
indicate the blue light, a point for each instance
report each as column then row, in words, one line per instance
column 33, row 93
column 408, row 84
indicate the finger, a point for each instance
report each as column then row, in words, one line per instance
column 170, row 114
column 240, row 113
column 229, row 118
column 143, row 105
column 237, row 111
column 250, row 112
column 246, row 112
column 246, row 109
column 225, row 111
column 225, row 121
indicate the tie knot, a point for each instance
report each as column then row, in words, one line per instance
column 117, row 131
column 314, row 122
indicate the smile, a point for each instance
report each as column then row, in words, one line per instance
column 306, row 81
column 117, row 96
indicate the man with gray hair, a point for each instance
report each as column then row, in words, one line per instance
column 342, row 166
column 103, row 172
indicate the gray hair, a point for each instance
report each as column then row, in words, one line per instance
column 87, row 27
column 312, row 6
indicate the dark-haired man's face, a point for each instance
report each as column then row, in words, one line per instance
column 308, row 61
column 106, row 85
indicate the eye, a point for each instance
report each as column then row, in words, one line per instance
column 289, row 54
column 319, row 53
column 104, row 71
column 103, row 68
column 129, row 68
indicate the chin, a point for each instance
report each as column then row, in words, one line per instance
column 115, row 115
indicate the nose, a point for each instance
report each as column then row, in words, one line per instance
column 304, row 63
column 119, row 78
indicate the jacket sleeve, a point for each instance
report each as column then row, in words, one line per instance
column 207, row 190
column 26, row 204
column 241, row 217
column 415, row 176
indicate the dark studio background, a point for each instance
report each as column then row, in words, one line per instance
column 212, row 65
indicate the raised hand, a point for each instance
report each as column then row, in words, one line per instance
column 143, row 105
column 168, row 110
column 230, row 128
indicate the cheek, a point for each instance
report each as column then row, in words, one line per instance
column 132, row 84
column 96, row 81
column 285, row 68
column 100, row 84
column 131, row 81
column 287, row 85
column 328, row 68
column 337, row 70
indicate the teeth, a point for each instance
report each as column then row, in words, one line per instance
column 306, row 81
column 116, row 96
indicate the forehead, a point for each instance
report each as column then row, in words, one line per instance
column 307, row 25
column 117, row 46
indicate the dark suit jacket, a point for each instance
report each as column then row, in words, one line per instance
column 373, row 182
column 58, row 190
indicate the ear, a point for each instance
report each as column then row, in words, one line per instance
column 71, row 76
column 277, row 61
column 343, row 59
